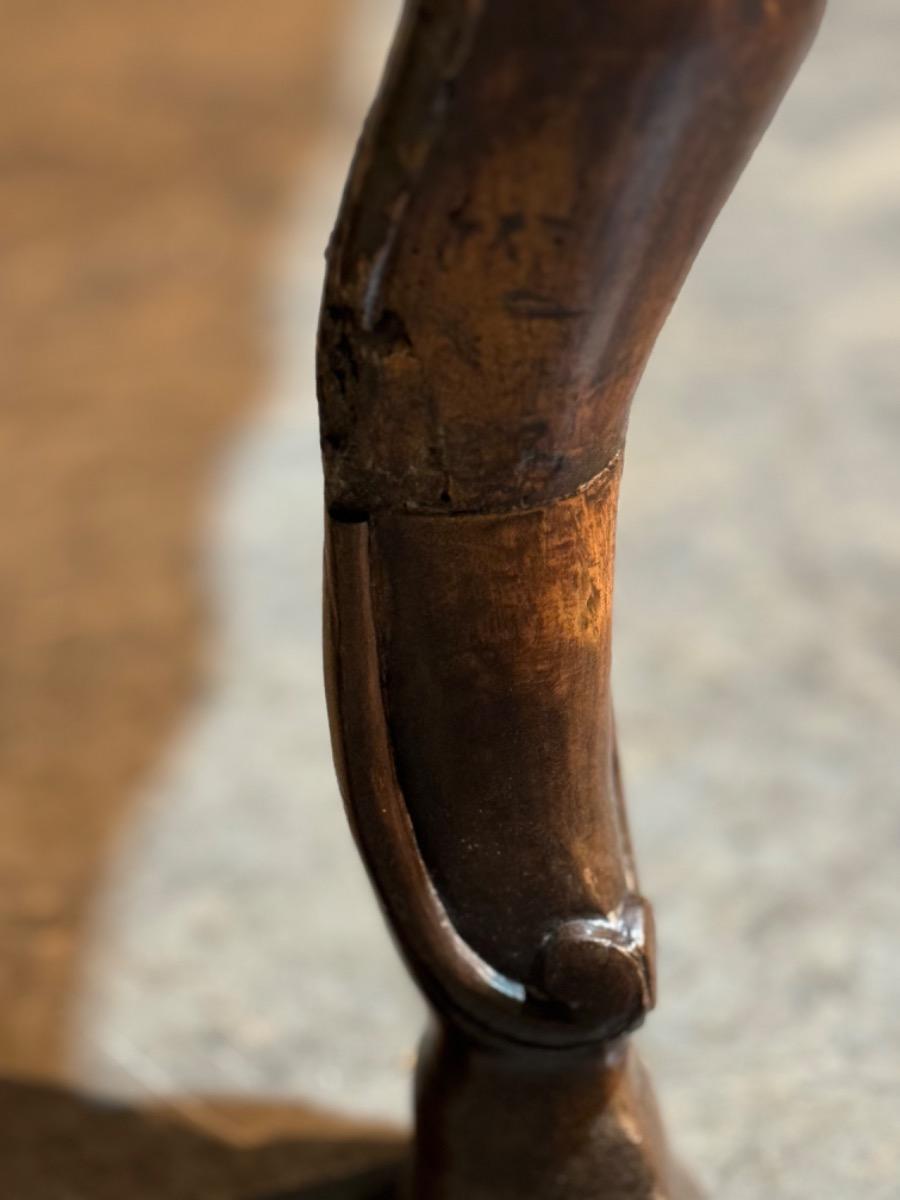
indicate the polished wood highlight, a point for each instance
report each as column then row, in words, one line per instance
column 529, row 192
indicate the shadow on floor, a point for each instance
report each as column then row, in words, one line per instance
column 151, row 156
column 58, row 1145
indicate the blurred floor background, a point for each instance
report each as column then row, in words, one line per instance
column 184, row 927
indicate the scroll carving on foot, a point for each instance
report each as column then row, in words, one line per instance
column 529, row 192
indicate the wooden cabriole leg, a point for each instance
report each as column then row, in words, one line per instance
column 530, row 189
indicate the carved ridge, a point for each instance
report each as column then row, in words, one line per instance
column 450, row 971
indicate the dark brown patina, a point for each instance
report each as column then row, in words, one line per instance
column 530, row 190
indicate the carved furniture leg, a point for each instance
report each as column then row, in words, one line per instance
column 530, row 189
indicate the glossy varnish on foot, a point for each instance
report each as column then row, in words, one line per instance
column 529, row 192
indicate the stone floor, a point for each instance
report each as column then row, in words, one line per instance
column 187, row 929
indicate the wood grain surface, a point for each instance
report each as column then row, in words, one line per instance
column 530, row 191
column 150, row 154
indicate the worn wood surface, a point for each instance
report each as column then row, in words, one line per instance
column 531, row 188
